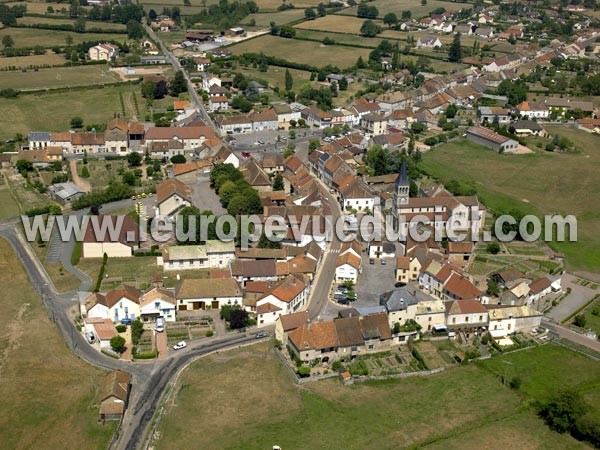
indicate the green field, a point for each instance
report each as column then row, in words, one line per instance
column 8, row 205
column 48, row 59
column 57, row 77
column 30, row 37
column 444, row 410
column 337, row 37
column 303, row 52
column 48, row 394
column 337, row 24
column 540, row 183
column 53, row 111
column 28, row 20
column 416, row 8
column 280, row 18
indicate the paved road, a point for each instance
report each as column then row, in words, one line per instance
column 565, row 333
column 579, row 296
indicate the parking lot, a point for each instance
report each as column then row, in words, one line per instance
column 204, row 197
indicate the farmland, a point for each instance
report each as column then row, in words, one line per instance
column 303, row 52
column 53, row 111
column 326, row 414
column 30, row 37
column 540, row 183
column 335, row 24
column 28, row 20
column 416, row 8
column 49, row 59
column 264, row 19
column 57, row 77
column 42, row 400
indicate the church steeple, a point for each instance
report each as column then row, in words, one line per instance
column 402, row 188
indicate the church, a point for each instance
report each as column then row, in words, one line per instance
column 435, row 210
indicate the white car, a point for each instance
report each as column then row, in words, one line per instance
column 180, row 345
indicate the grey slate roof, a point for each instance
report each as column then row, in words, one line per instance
column 39, row 136
column 397, row 300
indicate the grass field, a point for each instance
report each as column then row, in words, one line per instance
column 53, row 111
column 50, row 59
column 28, row 20
column 58, row 77
column 30, row 37
column 280, row 18
column 338, row 24
column 303, row 52
column 8, row 206
column 101, row 172
column 541, row 183
column 451, row 407
column 416, row 8
column 339, row 38
column 48, row 394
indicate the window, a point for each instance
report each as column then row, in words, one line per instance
column 509, row 326
column 481, row 318
column 467, row 319
column 371, row 347
column 157, row 305
column 454, row 320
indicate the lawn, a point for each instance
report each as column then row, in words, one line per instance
column 303, row 52
column 592, row 321
column 57, row 77
column 8, row 205
column 336, row 24
column 275, row 76
column 375, row 415
column 53, row 111
column 541, row 183
column 48, row 394
column 30, row 37
column 101, row 172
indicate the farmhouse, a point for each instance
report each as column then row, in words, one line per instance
column 117, row 236
column 528, row 128
column 157, row 302
column 490, row 113
column 114, row 395
column 190, row 137
column 195, row 294
column 213, row 255
column 428, row 42
column 116, row 305
column 507, row 320
column 286, row 323
column 287, row 296
column 347, row 267
column 466, row 315
column 400, row 304
column 491, row 139
column 530, row 110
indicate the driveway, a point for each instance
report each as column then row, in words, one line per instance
column 82, row 184
column 579, row 296
column 204, row 197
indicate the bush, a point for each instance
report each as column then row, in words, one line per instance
column 209, row 333
column 580, row 321
column 117, row 343
column 137, row 329
column 336, row 365
column 121, row 328
column 150, row 355
column 562, row 412
column 85, row 173
column 303, row 371
column 515, row 383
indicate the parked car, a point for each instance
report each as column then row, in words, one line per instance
column 383, row 262
column 90, row 337
column 399, row 284
column 126, row 321
column 261, row 335
column 371, row 261
column 180, row 345
column 160, row 325
column 344, row 301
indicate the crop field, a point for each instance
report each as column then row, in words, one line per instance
column 48, row 394
column 28, row 20
column 30, row 37
column 327, row 414
column 57, row 77
column 351, row 39
column 50, row 59
column 540, row 183
column 8, row 205
column 303, row 52
column 336, row 24
column 416, row 8
column 53, row 111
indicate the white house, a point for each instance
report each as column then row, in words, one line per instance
column 539, row 289
column 103, row 52
column 288, row 296
column 507, row 320
column 157, row 302
column 429, row 42
column 347, row 267
column 116, row 305
column 357, row 196
column 103, row 331
column 195, row 294
column 383, row 250
column 172, row 195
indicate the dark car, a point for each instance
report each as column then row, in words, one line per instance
column 371, row 261
column 400, row 284
column 344, row 301
column 126, row 321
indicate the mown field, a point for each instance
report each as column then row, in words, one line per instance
column 464, row 407
column 48, row 394
column 49, row 59
column 53, row 111
column 336, row 24
column 30, row 37
column 416, row 8
column 58, row 77
column 8, row 205
column 540, row 183
column 29, row 20
column 280, row 18
column 303, row 52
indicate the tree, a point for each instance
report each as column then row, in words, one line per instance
column 580, row 321
column 7, row 41
column 360, row 63
column 321, row 10
column 423, row 2
column 493, row 248
column 390, row 19
column 178, row 84
column 492, row 287
column 406, row 15
column 135, row 30
column 69, row 40
column 117, row 343
column 85, row 173
column 562, row 412
column 147, row 89
column 310, row 13
column 418, row 127
column 134, row 159
column 289, row 80
column 152, row 15
column 76, row 122
column 178, row 159
column 287, row 31
column 79, row 25
column 451, row 111
column 369, row 29
column 313, row 144
column 343, row 84
column 455, row 51
column 278, row 184
column 129, row 178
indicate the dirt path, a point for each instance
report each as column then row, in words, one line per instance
column 82, row 184
column 129, row 106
